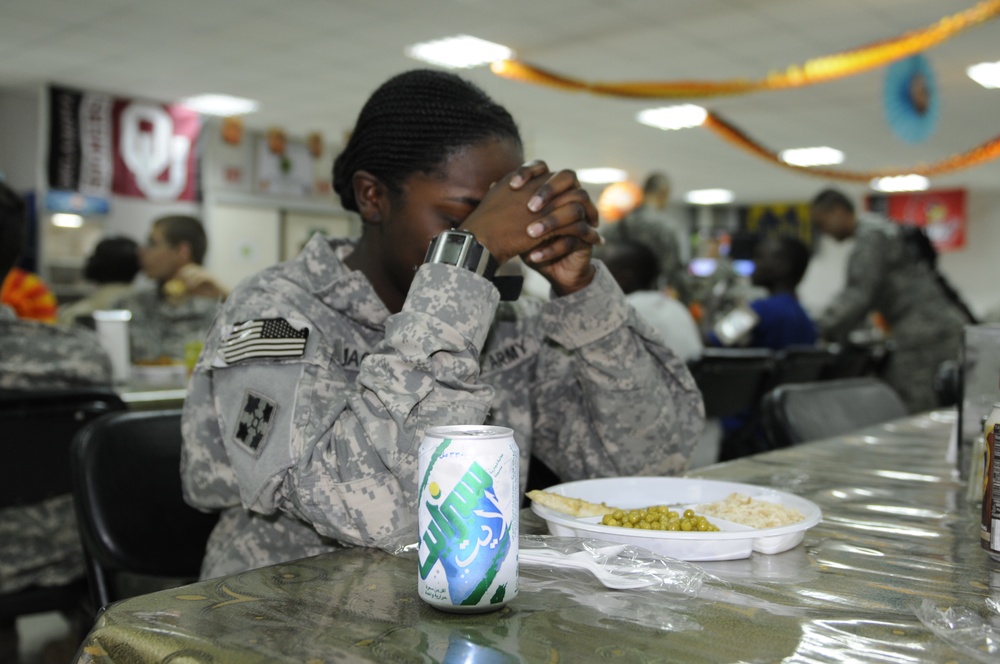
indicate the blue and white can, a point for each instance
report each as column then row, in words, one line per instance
column 467, row 516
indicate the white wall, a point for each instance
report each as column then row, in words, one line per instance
column 975, row 270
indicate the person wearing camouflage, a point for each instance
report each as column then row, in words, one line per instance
column 650, row 224
column 39, row 544
column 885, row 274
column 181, row 306
column 320, row 375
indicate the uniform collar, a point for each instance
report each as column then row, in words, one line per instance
column 338, row 286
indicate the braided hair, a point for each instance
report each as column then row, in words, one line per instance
column 412, row 124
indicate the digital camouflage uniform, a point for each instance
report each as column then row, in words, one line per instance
column 658, row 231
column 885, row 274
column 39, row 543
column 328, row 434
column 160, row 328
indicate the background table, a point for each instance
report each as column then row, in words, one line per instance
column 896, row 531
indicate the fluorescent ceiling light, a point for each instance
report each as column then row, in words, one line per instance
column 901, row 183
column 64, row 220
column 601, row 175
column 459, row 52
column 673, row 117
column 820, row 156
column 709, row 196
column 224, row 105
column 986, row 74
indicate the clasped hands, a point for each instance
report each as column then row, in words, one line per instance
column 545, row 218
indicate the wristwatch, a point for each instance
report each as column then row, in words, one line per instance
column 462, row 249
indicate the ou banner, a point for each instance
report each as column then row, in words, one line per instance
column 154, row 151
column 100, row 144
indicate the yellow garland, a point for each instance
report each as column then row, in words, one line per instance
column 982, row 153
column 817, row 70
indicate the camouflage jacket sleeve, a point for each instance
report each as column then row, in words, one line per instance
column 866, row 269
column 610, row 398
column 340, row 455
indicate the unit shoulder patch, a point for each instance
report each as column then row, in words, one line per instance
column 254, row 421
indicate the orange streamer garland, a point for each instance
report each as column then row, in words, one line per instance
column 817, row 70
column 986, row 152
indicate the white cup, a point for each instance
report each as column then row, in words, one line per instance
column 112, row 331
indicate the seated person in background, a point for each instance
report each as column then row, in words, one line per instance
column 28, row 296
column 320, row 375
column 112, row 266
column 35, row 356
column 38, row 543
column 778, row 320
column 653, row 225
column 636, row 269
column 182, row 305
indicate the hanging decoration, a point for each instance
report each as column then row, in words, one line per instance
column 817, row 70
column 232, row 130
column 618, row 199
column 910, row 99
column 314, row 140
column 980, row 154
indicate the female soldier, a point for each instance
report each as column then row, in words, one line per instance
column 320, row 375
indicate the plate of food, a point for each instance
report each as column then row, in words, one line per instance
column 683, row 518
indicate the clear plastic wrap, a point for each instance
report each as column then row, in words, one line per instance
column 617, row 566
column 964, row 629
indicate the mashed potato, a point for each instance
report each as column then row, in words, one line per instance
column 748, row 511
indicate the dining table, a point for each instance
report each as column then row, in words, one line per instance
column 893, row 572
column 139, row 394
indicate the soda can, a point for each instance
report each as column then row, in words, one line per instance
column 990, row 531
column 467, row 517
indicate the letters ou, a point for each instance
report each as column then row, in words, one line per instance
column 148, row 154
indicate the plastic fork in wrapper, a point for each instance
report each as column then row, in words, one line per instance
column 617, row 566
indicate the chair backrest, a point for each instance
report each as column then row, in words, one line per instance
column 800, row 364
column 130, row 509
column 731, row 380
column 802, row 412
column 948, row 383
column 37, row 430
column 850, row 361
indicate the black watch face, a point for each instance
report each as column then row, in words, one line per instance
column 453, row 248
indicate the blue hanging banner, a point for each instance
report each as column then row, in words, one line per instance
column 910, row 99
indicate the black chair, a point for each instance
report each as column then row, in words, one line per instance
column 948, row 383
column 731, row 380
column 793, row 364
column 802, row 412
column 38, row 428
column 800, row 364
column 133, row 520
column 851, row 361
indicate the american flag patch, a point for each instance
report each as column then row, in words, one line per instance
column 272, row 337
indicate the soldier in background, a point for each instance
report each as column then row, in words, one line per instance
column 320, row 375
column 885, row 273
column 180, row 306
column 652, row 225
column 39, row 544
